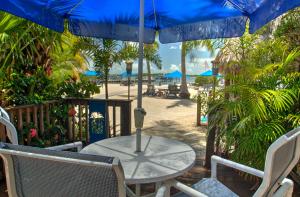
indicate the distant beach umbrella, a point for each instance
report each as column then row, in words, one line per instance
column 208, row 73
column 92, row 73
column 126, row 75
column 173, row 75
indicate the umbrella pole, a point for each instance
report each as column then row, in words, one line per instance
column 139, row 111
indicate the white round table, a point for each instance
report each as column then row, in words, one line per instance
column 161, row 158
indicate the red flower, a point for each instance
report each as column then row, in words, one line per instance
column 48, row 71
column 72, row 112
column 33, row 133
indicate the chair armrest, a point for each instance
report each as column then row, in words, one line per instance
column 188, row 190
column 161, row 191
column 164, row 190
column 218, row 160
column 77, row 145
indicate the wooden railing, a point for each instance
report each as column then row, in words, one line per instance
column 56, row 113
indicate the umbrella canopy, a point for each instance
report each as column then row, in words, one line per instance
column 174, row 21
column 125, row 75
column 208, row 73
column 92, row 73
column 174, row 75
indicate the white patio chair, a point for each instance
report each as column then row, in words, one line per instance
column 281, row 158
column 37, row 172
column 13, row 135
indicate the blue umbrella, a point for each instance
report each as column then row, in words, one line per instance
column 125, row 75
column 174, row 75
column 208, row 73
column 92, row 73
column 173, row 21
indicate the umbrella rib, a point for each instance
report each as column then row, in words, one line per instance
column 75, row 6
column 237, row 6
column 154, row 10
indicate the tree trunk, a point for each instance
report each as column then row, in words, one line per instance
column 149, row 74
column 210, row 146
column 106, row 83
column 184, row 92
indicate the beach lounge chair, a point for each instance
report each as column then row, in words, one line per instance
column 173, row 90
column 37, row 172
column 281, row 158
column 150, row 90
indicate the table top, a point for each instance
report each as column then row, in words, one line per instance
column 161, row 158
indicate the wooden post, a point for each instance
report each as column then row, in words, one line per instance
column 20, row 125
column 87, row 123
column 42, row 128
column 35, row 117
column 70, row 132
column 125, row 120
column 198, row 110
column 114, row 121
column 28, row 116
column 47, row 114
column 80, row 121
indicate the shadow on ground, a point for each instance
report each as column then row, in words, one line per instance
column 181, row 102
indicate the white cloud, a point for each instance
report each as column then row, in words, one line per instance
column 180, row 46
column 174, row 67
column 173, row 47
column 202, row 49
column 200, row 60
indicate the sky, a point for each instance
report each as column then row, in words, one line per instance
column 170, row 55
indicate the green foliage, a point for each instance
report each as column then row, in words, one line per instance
column 129, row 52
column 77, row 89
column 289, row 27
column 26, row 88
column 261, row 102
column 201, row 80
column 151, row 54
column 35, row 61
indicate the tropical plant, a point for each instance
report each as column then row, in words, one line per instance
column 73, row 87
column 129, row 52
column 260, row 100
column 69, row 59
column 263, row 106
column 202, row 80
column 187, row 48
column 106, row 53
column 34, row 60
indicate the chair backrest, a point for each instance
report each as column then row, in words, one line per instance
column 10, row 128
column 282, row 157
column 173, row 88
column 151, row 87
column 35, row 172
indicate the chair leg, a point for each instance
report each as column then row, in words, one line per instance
column 138, row 189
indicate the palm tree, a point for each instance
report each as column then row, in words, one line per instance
column 129, row 53
column 152, row 57
column 187, row 49
column 106, row 53
column 70, row 59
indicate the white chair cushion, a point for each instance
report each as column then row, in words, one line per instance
column 210, row 187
